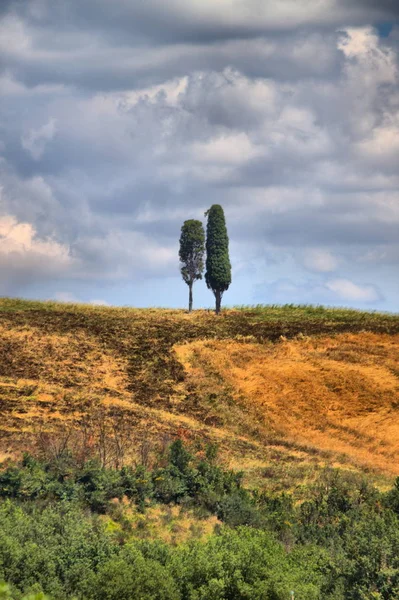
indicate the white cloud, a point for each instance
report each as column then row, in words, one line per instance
column 357, row 41
column 68, row 297
column 382, row 144
column 36, row 140
column 228, row 149
column 20, row 239
column 14, row 37
column 332, row 292
column 10, row 86
column 72, row 298
column 320, row 260
column 34, row 200
column 99, row 302
column 348, row 290
column 24, row 257
column 121, row 255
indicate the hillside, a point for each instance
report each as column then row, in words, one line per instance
column 282, row 390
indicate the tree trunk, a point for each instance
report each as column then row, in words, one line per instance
column 190, row 297
column 218, row 296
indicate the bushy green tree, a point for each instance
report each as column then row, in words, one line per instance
column 218, row 267
column 246, row 564
column 131, row 575
column 191, row 254
column 5, row 594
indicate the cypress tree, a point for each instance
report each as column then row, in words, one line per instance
column 218, row 267
column 191, row 254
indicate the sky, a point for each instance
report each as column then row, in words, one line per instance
column 120, row 120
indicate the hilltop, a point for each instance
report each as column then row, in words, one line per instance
column 284, row 391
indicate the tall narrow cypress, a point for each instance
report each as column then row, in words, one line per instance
column 191, row 254
column 218, row 267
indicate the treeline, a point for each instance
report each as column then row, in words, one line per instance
column 341, row 543
column 192, row 251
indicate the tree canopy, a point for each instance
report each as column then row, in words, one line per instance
column 191, row 254
column 218, row 267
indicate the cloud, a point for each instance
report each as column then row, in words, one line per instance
column 26, row 258
column 20, row 239
column 120, row 120
column 388, row 9
column 348, row 290
column 36, row 140
column 320, row 260
column 5, row 6
column 202, row 20
column 69, row 297
column 98, row 302
column 227, row 149
column 34, row 200
column 336, row 292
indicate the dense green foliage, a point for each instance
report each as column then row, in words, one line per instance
column 191, row 254
column 67, row 553
column 218, row 267
column 179, row 477
column 6, row 594
column 342, row 543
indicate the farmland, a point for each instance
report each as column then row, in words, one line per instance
column 174, row 456
column 284, row 391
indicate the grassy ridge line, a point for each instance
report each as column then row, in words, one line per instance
column 266, row 311
column 312, row 310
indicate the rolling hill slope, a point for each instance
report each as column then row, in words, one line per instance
column 282, row 390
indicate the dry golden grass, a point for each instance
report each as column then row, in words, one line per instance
column 47, row 379
column 335, row 394
column 49, row 382
column 69, row 360
column 280, row 411
column 171, row 524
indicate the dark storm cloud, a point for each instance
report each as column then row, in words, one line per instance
column 81, row 43
column 310, row 227
column 93, row 68
column 384, row 9
column 6, row 6
column 200, row 21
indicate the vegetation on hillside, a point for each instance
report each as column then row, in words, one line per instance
column 301, row 401
column 342, row 543
column 140, row 375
